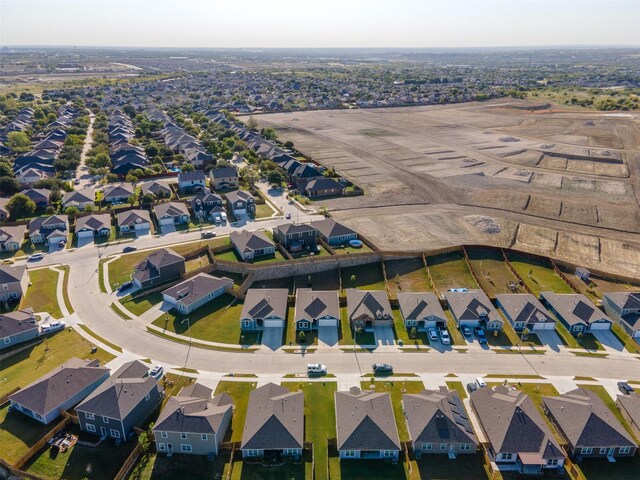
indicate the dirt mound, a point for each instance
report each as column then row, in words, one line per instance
column 483, row 223
column 508, row 139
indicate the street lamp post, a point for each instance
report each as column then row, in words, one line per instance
column 190, row 341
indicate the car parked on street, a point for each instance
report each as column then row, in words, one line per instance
column 382, row 369
column 316, row 369
column 625, row 388
column 129, row 249
column 208, row 234
column 35, row 256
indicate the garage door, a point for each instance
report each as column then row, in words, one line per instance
column 331, row 322
column 636, row 334
column 600, row 326
column 544, row 326
column 272, row 323
column 85, row 234
column 142, row 226
column 166, row 221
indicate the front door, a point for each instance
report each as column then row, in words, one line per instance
column 611, row 452
column 103, row 431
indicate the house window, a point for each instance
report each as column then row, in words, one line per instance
column 105, row 419
column 586, row 450
column 114, row 433
column 603, row 450
column 247, row 323
column 7, row 340
column 349, row 453
column 443, row 446
column 552, row 461
column 506, row 456
column 147, row 396
column 89, row 416
column 252, row 453
column 623, row 450
column 204, row 436
column 183, row 435
column 427, row 446
column 387, row 453
column 162, row 447
column 303, row 324
column 164, row 435
column 185, row 448
column 465, row 446
column 290, row 451
column 90, row 427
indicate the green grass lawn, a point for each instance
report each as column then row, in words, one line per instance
column 408, row 275
column 239, row 391
column 249, row 471
column 320, row 419
column 346, row 334
column 158, row 467
column 348, row 250
column 216, row 321
column 232, row 256
column 102, row 462
column 365, row 469
column 363, row 277
column 629, row 343
column 449, row 270
column 141, row 304
column 29, row 365
column 601, row 469
column 292, row 337
column 491, row 270
column 401, row 333
column 458, row 387
column 304, row 253
column 264, row 211
column 464, row 467
column 18, row 433
column 41, row 294
column 539, row 276
column 456, row 335
column 609, row 402
column 65, row 287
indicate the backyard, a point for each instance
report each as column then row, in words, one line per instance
column 18, row 433
column 347, row 249
column 408, row 275
column 491, row 271
column 463, row 467
column 239, row 392
column 232, row 256
column 329, row 280
column 41, row 294
column 449, row 270
column 158, row 467
column 538, row 275
column 363, row 277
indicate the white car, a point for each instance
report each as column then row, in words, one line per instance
column 444, row 334
column 35, row 256
column 156, row 372
column 52, row 326
column 433, row 335
column 480, row 382
column 316, row 369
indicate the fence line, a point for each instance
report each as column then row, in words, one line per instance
column 129, row 462
column 22, row 461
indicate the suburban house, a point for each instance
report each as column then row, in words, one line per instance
column 368, row 308
column 241, row 203
column 122, row 402
column 194, row 292
column 39, row 196
column 624, row 308
column 60, row 389
column 303, row 174
column 576, row 312
column 136, row 221
column 524, row 310
column 590, row 428
column 117, row 193
column 193, row 181
column 473, row 309
column 316, row 308
column 172, row 213
column 13, row 282
column 438, row 423
column 94, row 225
column 421, row 310
column 264, row 308
column 224, row 178
column 11, row 237
column 334, row 233
column 274, row 422
column 323, row 187
column 17, row 327
column 193, row 422
column 159, row 267
column 157, row 188
column 49, row 230
column 519, row 439
column 79, row 198
column 294, row 236
column 250, row 245
column 629, row 406
column 365, row 425
column 207, row 205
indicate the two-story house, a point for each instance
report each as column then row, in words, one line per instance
column 193, row 181
column 49, row 230
column 295, row 236
column 158, row 267
column 251, row 245
column 624, row 308
column 241, row 203
column 224, row 178
column 13, row 282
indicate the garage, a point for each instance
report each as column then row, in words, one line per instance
column 543, row 326
column 272, row 323
column 327, row 322
column 166, row 221
column 85, row 233
column 600, row 326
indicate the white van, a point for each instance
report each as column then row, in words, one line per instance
column 480, row 382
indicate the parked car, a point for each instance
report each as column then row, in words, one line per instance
column 625, row 388
column 76, row 181
column 129, row 249
column 156, row 371
column 433, row 335
column 62, row 243
column 217, row 221
column 125, row 286
column 471, row 387
column 482, row 337
column 35, row 256
column 444, row 335
column 208, row 234
column 52, row 326
column 466, row 331
column 8, row 261
column 480, row 382
column 288, row 215
column 316, row 369
column 382, row 369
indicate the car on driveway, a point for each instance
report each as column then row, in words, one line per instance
column 466, row 331
column 156, row 372
column 125, row 286
column 433, row 335
column 444, row 335
column 52, row 326
column 35, row 256
column 480, row 382
column 625, row 388
column 471, row 387
column 482, row 337
column 129, row 249
column 316, row 369
column 382, row 369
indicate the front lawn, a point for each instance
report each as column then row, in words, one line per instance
column 141, row 304
column 449, row 270
column 293, row 337
column 363, row 277
column 264, row 211
column 41, row 294
column 346, row 333
column 239, row 391
column 401, row 333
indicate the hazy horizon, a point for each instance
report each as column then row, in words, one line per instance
column 328, row 24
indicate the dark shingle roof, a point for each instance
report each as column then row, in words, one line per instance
column 150, row 266
column 420, row 305
column 524, row 307
column 197, row 287
column 574, row 308
column 330, row 228
column 13, row 323
column 265, row 302
column 249, row 241
column 312, row 304
column 11, row 273
column 369, row 303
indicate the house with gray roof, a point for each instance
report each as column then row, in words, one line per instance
column 274, row 422
column 11, row 237
column 60, row 389
column 587, row 424
column 193, row 181
column 438, row 423
column 195, row 291
column 241, row 203
column 323, row 187
column 368, row 308
column 264, row 308
column 158, row 188
column 518, row 437
column 122, row 402
column 158, row 267
column 224, row 178
column 94, row 225
column 17, row 327
column 524, row 310
column 292, row 236
column 250, row 245
column 316, row 308
column 172, row 213
column 117, row 193
column 49, row 230
column 14, row 280
column 365, row 424
column 193, row 422
column 421, row 310
column 207, row 206
column 576, row 312
column 79, row 198
column 624, row 308
column 134, row 221
column 39, row 196
column 629, row 406
column 473, row 309
column 334, row 233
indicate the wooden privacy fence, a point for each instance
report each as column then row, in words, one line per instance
column 22, row 461
column 129, row 462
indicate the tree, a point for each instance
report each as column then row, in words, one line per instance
column 21, row 206
column 143, row 441
column 147, row 199
column 187, row 167
column 100, row 160
column 9, row 185
column 275, row 177
column 18, row 141
column 72, row 212
column 131, row 178
column 151, row 150
column 5, row 169
column 268, row 134
column 88, row 208
column 252, row 124
column 288, row 144
column 222, row 163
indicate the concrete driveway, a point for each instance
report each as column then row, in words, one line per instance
column 143, row 231
column 272, row 337
column 608, row 340
column 167, row 229
column 550, row 339
column 328, row 335
column 384, row 335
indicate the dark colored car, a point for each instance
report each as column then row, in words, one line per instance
column 625, row 388
column 129, row 249
column 125, row 286
column 482, row 337
column 382, row 368
column 471, row 387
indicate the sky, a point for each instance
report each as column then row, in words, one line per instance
column 319, row 23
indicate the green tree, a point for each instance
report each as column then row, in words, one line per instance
column 5, row 169
column 288, row 144
column 187, row 167
column 18, row 141
column 252, row 124
column 21, row 206
column 131, row 178
column 147, row 199
column 9, row 185
column 275, row 177
column 72, row 212
column 268, row 134
column 88, row 208
column 143, row 441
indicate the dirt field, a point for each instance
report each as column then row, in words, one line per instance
column 562, row 182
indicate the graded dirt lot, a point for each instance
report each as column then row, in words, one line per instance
column 558, row 181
